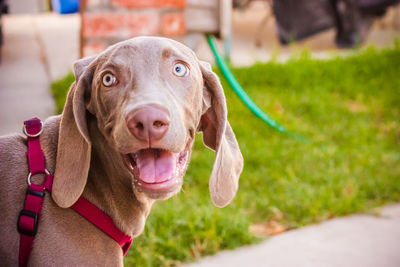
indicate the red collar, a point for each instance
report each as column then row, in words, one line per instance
column 29, row 216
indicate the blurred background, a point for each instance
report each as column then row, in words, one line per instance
column 326, row 70
column 252, row 30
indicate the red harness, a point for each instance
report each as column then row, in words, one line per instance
column 29, row 217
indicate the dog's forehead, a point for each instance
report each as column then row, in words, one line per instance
column 149, row 49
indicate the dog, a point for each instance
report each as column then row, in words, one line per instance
column 123, row 141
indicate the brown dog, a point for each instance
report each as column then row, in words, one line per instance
column 123, row 141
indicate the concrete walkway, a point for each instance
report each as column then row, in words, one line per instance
column 37, row 50
column 354, row 241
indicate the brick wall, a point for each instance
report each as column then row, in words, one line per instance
column 105, row 22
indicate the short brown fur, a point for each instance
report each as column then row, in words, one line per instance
column 83, row 148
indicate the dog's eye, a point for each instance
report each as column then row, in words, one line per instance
column 109, row 79
column 180, row 70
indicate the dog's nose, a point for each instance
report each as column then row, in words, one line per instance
column 149, row 123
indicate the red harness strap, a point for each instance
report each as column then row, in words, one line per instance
column 29, row 217
column 104, row 222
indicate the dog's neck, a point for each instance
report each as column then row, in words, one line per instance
column 109, row 186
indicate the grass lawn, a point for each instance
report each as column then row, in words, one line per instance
column 348, row 109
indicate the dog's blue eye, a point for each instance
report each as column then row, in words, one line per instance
column 180, row 70
column 109, row 80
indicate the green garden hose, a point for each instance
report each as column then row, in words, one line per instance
column 241, row 92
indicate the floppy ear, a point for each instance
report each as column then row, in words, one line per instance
column 218, row 135
column 74, row 148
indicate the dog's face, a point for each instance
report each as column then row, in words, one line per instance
column 149, row 96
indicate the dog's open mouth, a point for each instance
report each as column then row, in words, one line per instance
column 157, row 170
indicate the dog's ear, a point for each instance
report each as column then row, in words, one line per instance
column 218, row 135
column 74, row 146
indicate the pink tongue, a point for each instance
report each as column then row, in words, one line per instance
column 155, row 165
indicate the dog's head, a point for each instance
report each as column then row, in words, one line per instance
column 149, row 96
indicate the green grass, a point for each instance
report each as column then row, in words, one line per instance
column 349, row 110
column 60, row 89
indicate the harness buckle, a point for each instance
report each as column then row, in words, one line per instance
column 30, row 176
column 22, row 229
column 35, row 193
column 33, row 134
